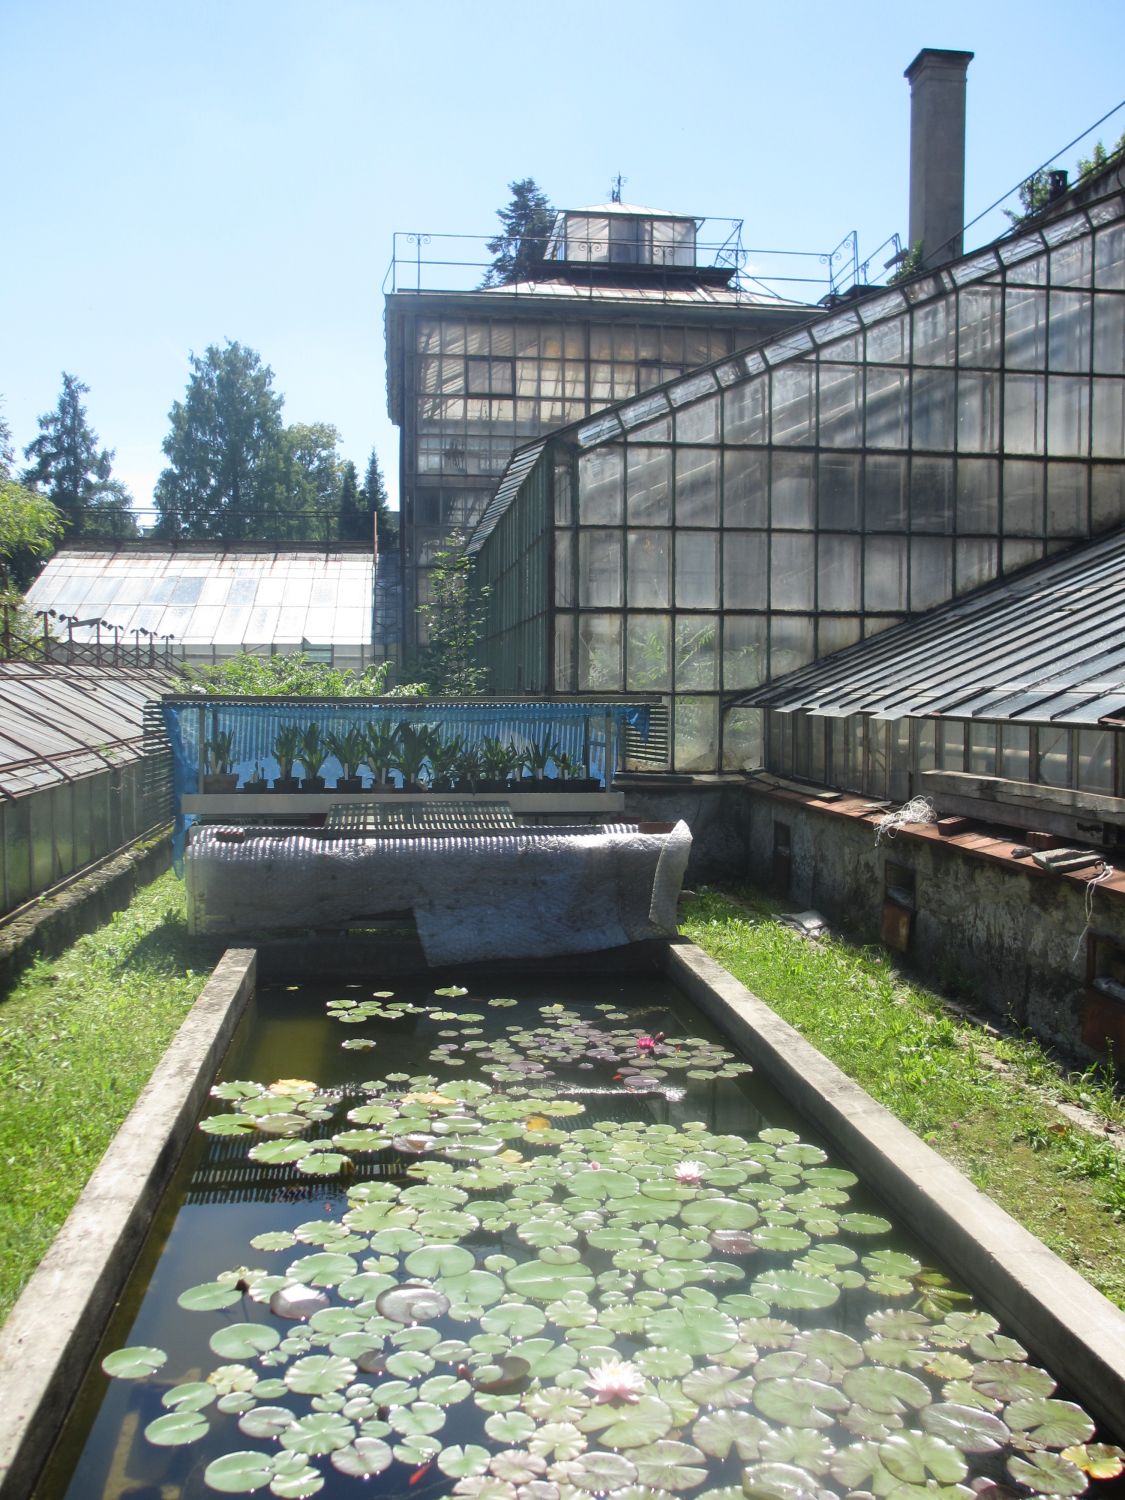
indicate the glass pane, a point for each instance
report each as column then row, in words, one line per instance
column 1052, row 756
column 933, row 333
column 565, row 680
column 982, row 749
column 791, row 497
column 697, row 652
column 951, row 745
column 1025, row 329
column 1066, row 500
column 978, row 413
column 1068, row 416
column 791, row 643
column 976, row 563
column 1023, row 498
column 1095, row 760
column 697, row 486
column 1068, row 345
column 839, row 405
column 886, row 408
column 885, row 494
column 932, row 409
column 835, row 632
column 1109, row 336
column 696, row 734
column 599, row 569
column 744, row 650
column 839, row 572
column 792, row 575
column 931, row 494
column 931, row 571
column 649, row 486
column 565, row 588
column 839, row 491
column 1109, row 258
column 1107, row 428
column 745, row 582
column 742, row 739
column 887, row 341
column 1024, row 414
column 601, row 486
column 648, row 653
column 978, row 494
column 745, row 488
column 792, row 418
column 885, row 573
column 1107, row 495
column 1014, row 751
column 599, row 653
column 697, row 569
column 979, row 326
column 745, row 412
column 698, row 423
column 650, row 569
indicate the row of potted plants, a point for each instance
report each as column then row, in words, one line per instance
column 418, row 754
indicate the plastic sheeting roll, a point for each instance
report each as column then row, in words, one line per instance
column 530, row 893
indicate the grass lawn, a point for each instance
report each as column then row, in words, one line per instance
column 988, row 1103
column 79, row 1037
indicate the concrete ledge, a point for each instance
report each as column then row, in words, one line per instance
column 1050, row 1307
column 54, row 1328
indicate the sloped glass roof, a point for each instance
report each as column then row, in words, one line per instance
column 210, row 599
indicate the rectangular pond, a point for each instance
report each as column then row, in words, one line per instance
column 541, row 1240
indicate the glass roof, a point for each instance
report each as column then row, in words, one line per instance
column 58, row 722
column 214, row 599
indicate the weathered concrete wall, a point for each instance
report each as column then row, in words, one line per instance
column 716, row 811
column 1006, row 933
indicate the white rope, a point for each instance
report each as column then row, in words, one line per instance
column 1095, row 880
column 917, row 810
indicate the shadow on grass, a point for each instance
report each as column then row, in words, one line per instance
column 168, row 947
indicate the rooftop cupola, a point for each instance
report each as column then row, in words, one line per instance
column 620, row 242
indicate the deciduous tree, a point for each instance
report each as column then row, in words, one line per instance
column 454, row 620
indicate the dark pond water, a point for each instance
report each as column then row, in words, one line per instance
column 549, row 1240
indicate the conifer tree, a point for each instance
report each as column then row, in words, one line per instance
column 519, row 251
column 75, row 474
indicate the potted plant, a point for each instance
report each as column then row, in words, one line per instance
column 219, row 777
column 444, row 760
column 350, row 749
column 257, row 782
column 313, row 753
column 538, row 757
column 497, row 762
column 286, row 748
column 416, row 743
column 382, row 748
column 468, row 769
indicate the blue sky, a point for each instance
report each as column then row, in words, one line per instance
column 236, row 168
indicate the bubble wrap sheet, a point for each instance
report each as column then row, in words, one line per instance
column 529, row 893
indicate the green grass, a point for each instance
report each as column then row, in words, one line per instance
column 79, row 1037
column 986, row 1103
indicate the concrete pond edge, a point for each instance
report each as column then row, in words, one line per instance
column 56, row 1325
column 1046, row 1303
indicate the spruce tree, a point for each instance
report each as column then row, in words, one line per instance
column 74, row 473
column 519, row 251
column 374, row 494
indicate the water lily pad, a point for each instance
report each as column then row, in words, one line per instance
column 1054, row 1424
column 238, row 1124
column 669, row 1465
column 1009, row 1380
column 192, row 1395
column 884, row 1390
column 460, row 1462
column 645, row 1421
column 700, row 1331
column 134, row 1363
column 177, row 1427
column 322, row 1269
column 297, row 1483
column 419, row 1418
column 410, row 1303
column 797, row 1289
column 797, row 1401
column 918, row 1457
column 209, row 1296
column 965, row 1427
column 316, row 1374
column 865, row 1224
column 1099, row 1460
column 319, row 1433
column 439, row 1260
column 363, row 1458
column 266, row 1421
column 717, row 1432
column 244, row 1340
column 599, row 1471
column 778, row 1482
column 239, row 1473
column 409, row 1363
column 543, row 1282
column 297, row 1302
column 1047, row 1474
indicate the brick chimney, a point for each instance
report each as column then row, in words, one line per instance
column 937, row 153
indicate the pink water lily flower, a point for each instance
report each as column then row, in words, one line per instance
column 616, row 1380
column 690, row 1173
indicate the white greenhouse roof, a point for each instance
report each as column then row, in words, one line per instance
column 206, row 598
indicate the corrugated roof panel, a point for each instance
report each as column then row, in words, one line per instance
column 1048, row 646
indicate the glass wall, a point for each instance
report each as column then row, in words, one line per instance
column 881, row 758
column 753, row 516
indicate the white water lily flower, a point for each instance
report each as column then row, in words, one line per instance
column 690, row 1173
column 616, row 1380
